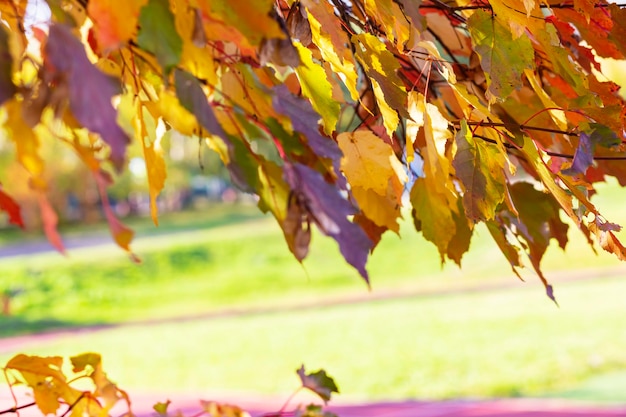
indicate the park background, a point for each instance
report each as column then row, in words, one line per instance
column 219, row 304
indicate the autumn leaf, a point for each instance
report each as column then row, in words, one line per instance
column 502, row 57
column 158, row 35
column 329, row 210
column 330, row 38
column 50, row 221
column 90, row 91
column 480, row 167
column 305, row 120
column 11, row 208
column 215, row 409
column 252, row 19
column 192, row 98
column 115, row 22
column 595, row 134
column 161, row 407
column 122, row 235
column 328, row 113
column 7, row 87
column 381, row 67
column 105, row 389
column 367, row 161
column 318, row 382
column 432, row 214
column 316, row 87
column 45, row 376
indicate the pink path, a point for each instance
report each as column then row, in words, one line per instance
column 142, row 406
column 258, row 406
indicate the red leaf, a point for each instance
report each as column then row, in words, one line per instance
column 9, row 205
column 121, row 234
column 50, row 221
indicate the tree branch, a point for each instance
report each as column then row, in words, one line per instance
column 16, row 409
column 442, row 6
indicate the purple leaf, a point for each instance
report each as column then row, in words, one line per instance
column 306, row 121
column 192, row 98
column 329, row 210
column 90, row 90
column 583, row 158
column 597, row 134
column 7, row 88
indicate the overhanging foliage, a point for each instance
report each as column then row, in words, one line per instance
column 329, row 111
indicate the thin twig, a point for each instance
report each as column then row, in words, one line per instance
column 80, row 397
column 17, row 408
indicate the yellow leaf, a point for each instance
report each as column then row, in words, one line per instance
column 196, row 58
column 274, row 194
column 316, row 88
column 382, row 210
column 437, row 134
column 433, row 213
column 153, row 156
column 381, row 66
column 390, row 116
column 414, row 123
column 242, row 87
column 176, row 115
column 26, row 141
column 557, row 116
column 507, row 12
column 330, row 38
column 45, row 376
column 532, row 156
column 115, row 22
column 367, row 160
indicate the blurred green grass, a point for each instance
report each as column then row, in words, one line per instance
column 483, row 344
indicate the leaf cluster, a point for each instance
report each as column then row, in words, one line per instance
column 331, row 112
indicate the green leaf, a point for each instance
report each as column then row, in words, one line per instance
column 158, row 35
column 503, row 58
column 315, row 87
column 318, row 382
column 161, row 407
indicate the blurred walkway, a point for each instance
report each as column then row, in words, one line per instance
column 257, row 407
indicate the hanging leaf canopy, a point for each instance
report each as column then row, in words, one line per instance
column 331, row 111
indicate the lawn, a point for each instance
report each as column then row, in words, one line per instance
column 436, row 340
column 482, row 344
column 220, row 264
